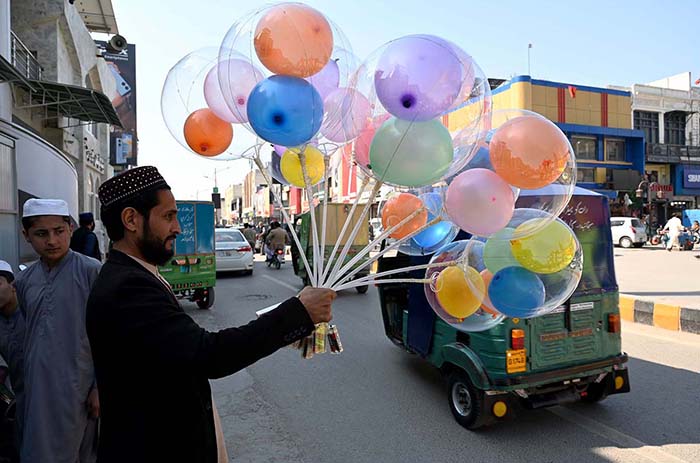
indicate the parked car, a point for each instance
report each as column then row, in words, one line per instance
column 233, row 252
column 628, row 232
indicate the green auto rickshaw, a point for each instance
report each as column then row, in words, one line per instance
column 571, row 354
column 192, row 270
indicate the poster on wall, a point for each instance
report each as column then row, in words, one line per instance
column 123, row 141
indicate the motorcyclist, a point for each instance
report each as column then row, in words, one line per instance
column 276, row 239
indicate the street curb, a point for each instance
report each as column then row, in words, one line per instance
column 668, row 317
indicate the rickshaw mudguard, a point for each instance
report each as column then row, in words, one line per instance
column 457, row 355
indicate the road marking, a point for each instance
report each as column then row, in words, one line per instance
column 643, row 449
column 281, row 283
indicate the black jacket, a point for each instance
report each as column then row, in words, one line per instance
column 85, row 242
column 153, row 363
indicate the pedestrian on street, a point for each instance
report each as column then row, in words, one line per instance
column 674, row 226
column 153, row 362
column 61, row 402
column 84, row 239
column 11, row 348
column 249, row 235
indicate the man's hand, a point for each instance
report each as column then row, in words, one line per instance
column 93, row 404
column 318, row 303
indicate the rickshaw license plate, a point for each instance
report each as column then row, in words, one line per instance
column 516, row 361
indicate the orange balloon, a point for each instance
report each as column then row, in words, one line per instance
column 529, row 152
column 400, row 207
column 486, row 304
column 206, row 134
column 293, row 40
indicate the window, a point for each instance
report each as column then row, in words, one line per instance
column 585, row 148
column 229, row 236
column 647, row 122
column 585, row 175
column 674, row 128
column 636, row 223
column 615, row 150
column 617, row 223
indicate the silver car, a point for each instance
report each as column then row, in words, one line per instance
column 628, row 232
column 233, row 252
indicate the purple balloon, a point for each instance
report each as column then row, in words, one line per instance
column 279, row 150
column 418, row 77
column 479, row 202
column 327, row 79
column 227, row 87
column 347, row 112
column 275, row 169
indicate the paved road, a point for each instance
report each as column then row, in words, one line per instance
column 655, row 274
column 376, row 403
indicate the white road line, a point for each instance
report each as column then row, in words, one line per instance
column 643, row 449
column 281, row 283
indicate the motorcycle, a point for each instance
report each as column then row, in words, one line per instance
column 276, row 259
column 661, row 237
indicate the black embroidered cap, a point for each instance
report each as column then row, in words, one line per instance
column 129, row 184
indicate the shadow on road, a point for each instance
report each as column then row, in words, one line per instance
column 661, row 410
column 662, row 293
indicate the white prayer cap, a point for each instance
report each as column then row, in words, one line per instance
column 6, row 270
column 35, row 207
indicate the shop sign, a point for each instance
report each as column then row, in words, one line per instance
column 661, row 187
column 691, row 178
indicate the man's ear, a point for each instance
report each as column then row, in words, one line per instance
column 25, row 234
column 131, row 219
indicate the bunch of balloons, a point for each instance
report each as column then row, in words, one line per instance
column 415, row 116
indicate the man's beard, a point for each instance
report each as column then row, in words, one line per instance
column 153, row 249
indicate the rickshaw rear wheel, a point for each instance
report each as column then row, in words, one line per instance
column 466, row 401
column 206, row 301
column 596, row 392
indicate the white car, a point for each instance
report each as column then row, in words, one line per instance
column 233, row 252
column 628, row 232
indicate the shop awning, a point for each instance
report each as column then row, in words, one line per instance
column 79, row 103
column 10, row 74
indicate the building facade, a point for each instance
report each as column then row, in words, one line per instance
column 55, row 112
column 666, row 111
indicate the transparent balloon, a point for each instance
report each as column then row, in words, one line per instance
column 536, row 263
column 457, row 292
column 415, row 85
column 198, row 126
column 435, row 236
column 531, row 153
column 299, row 43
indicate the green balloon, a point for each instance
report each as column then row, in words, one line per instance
column 498, row 253
column 409, row 153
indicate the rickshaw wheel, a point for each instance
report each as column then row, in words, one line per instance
column 205, row 302
column 596, row 392
column 466, row 401
column 362, row 289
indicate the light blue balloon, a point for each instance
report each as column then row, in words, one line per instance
column 517, row 292
column 285, row 110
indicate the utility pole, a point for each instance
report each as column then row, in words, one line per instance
column 529, row 47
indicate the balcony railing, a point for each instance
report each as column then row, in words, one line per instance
column 672, row 154
column 23, row 59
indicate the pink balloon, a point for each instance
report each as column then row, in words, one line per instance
column 364, row 141
column 347, row 112
column 327, row 79
column 479, row 202
column 227, row 86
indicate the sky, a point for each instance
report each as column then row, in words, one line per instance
column 595, row 43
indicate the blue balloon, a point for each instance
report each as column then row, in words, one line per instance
column 434, row 234
column 285, row 110
column 481, row 160
column 517, row 292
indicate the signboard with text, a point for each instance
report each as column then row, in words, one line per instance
column 123, row 141
column 691, row 177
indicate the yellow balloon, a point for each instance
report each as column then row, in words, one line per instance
column 460, row 293
column 290, row 165
column 548, row 250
